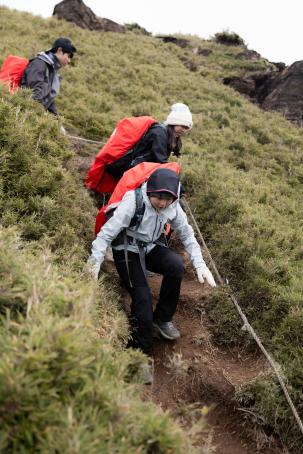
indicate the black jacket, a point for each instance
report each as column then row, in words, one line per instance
column 39, row 76
column 152, row 147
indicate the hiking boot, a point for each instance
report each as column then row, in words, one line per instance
column 166, row 329
column 146, row 374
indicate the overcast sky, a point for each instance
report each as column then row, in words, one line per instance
column 271, row 27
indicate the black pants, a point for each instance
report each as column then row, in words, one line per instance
column 160, row 260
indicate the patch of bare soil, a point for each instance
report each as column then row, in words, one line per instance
column 84, row 156
column 192, row 374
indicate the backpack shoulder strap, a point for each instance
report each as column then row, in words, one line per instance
column 140, row 209
column 136, row 220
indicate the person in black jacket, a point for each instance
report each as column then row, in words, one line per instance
column 158, row 143
column 41, row 74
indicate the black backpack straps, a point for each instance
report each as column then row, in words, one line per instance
column 135, row 222
column 140, row 209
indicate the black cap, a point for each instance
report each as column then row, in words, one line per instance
column 65, row 44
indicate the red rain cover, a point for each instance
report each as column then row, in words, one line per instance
column 126, row 134
column 131, row 179
column 12, row 70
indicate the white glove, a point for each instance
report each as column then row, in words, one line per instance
column 62, row 129
column 204, row 273
column 93, row 269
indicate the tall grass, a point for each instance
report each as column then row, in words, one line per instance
column 63, row 387
column 243, row 169
column 67, row 383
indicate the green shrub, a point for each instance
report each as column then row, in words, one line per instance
column 38, row 192
column 228, row 38
column 65, row 381
column 134, row 27
column 266, row 400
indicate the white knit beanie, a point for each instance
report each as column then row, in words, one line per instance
column 179, row 115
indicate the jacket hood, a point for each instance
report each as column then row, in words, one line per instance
column 164, row 180
column 50, row 59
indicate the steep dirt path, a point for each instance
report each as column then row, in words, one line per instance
column 192, row 373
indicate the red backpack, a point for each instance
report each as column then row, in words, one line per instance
column 12, row 70
column 131, row 179
column 126, row 134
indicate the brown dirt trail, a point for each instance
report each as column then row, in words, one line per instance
column 192, row 373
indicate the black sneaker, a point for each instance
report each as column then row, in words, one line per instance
column 166, row 329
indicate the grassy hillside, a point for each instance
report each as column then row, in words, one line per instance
column 242, row 167
column 66, row 382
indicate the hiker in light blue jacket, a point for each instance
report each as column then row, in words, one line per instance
column 139, row 247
